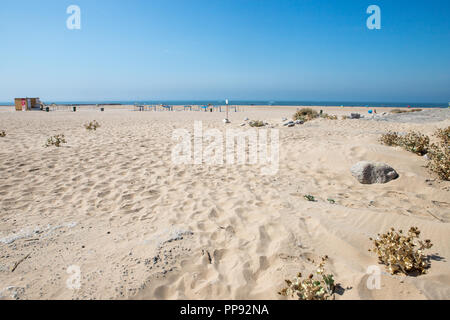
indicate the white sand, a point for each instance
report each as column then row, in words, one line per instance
column 112, row 203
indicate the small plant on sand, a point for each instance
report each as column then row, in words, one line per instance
column 331, row 201
column 310, row 198
column 311, row 288
column 2, row 133
column 56, row 141
column 256, row 123
column 93, row 125
column 402, row 253
column 305, row 114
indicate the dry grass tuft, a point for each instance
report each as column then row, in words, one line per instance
column 305, row 114
column 56, row 141
column 329, row 117
column 93, row 125
column 402, row 253
column 321, row 288
column 405, row 110
column 256, row 123
column 2, row 133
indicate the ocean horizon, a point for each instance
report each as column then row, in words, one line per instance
column 254, row 102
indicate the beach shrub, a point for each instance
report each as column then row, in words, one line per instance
column 440, row 161
column 402, row 253
column 443, row 135
column 2, row 133
column 305, row 114
column 439, row 154
column 391, row 139
column 56, row 141
column 414, row 142
column 93, row 125
column 321, row 287
column 256, row 124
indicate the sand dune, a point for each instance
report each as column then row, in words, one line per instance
column 139, row 227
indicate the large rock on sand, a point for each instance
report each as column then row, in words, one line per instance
column 373, row 172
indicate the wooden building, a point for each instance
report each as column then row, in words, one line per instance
column 27, row 104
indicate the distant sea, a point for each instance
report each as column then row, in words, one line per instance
column 257, row 103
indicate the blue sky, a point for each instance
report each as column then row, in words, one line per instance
column 217, row 49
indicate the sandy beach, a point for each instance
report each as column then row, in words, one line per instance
column 112, row 203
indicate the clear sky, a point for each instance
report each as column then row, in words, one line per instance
column 217, row 49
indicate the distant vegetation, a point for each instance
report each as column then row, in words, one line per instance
column 2, row 133
column 256, row 123
column 307, row 114
column 405, row 110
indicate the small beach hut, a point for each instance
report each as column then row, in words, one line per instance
column 27, row 104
